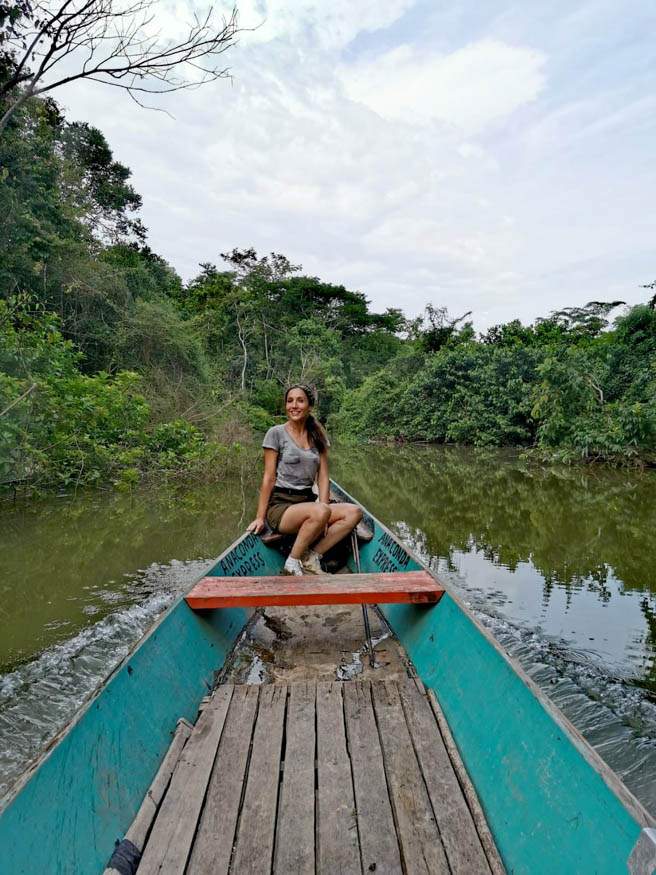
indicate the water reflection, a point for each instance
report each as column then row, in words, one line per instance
column 568, row 549
column 557, row 563
column 66, row 563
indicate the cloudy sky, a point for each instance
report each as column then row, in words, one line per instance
column 478, row 154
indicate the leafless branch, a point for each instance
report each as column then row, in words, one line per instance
column 99, row 40
column 18, row 400
column 596, row 387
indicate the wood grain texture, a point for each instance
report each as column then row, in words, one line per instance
column 378, row 844
column 456, row 825
column 170, row 841
column 489, row 846
column 140, row 827
column 337, row 831
column 331, row 777
column 142, row 823
column 294, row 852
column 256, row 830
column 419, row 837
column 216, row 831
column 416, row 587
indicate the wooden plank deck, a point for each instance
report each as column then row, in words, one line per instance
column 417, row 587
column 351, row 777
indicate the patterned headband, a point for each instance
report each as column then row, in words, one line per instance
column 307, row 389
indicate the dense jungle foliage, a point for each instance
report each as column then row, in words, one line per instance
column 112, row 369
column 568, row 386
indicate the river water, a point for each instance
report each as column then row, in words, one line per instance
column 557, row 562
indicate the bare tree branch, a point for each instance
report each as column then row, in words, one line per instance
column 115, row 46
column 242, row 333
column 18, row 400
column 596, row 387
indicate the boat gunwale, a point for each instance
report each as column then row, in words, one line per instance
column 610, row 778
column 593, row 759
column 23, row 779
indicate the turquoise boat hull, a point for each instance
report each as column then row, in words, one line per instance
column 551, row 802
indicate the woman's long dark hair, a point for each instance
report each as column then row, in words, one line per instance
column 316, row 431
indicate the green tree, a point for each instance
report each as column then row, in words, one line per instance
column 98, row 185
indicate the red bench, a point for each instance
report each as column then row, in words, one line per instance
column 415, row 587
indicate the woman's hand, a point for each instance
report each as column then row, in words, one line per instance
column 257, row 525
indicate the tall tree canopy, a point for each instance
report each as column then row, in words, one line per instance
column 112, row 367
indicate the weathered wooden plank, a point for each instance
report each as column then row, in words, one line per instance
column 173, row 832
column 138, row 831
column 417, row 587
column 140, row 827
column 216, row 831
column 489, row 845
column 337, row 832
column 418, row 834
column 255, row 833
column 457, row 829
column 295, row 823
column 378, row 843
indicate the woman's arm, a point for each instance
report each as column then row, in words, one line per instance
column 323, row 478
column 268, row 482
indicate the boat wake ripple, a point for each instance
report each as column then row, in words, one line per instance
column 40, row 697
column 615, row 716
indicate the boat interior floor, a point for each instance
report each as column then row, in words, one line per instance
column 315, row 643
column 317, row 776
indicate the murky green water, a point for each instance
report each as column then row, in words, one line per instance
column 559, row 564
column 65, row 564
column 568, row 551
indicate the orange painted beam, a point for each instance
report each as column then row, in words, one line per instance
column 416, row 587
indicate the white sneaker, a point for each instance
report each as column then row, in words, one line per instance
column 293, row 566
column 311, row 561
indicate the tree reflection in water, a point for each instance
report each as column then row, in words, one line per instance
column 581, row 529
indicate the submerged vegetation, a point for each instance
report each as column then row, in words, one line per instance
column 112, row 369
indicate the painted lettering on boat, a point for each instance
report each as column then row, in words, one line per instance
column 390, row 555
column 245, row 560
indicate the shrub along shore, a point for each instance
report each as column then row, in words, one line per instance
column 112, row 370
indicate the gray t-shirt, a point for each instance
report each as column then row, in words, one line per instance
column 297, row 468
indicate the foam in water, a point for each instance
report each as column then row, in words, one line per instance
column 39, row 698
column 615, row 716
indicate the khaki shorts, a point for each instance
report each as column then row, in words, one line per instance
column 281, row 499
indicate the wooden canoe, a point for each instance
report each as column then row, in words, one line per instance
column 550, row 801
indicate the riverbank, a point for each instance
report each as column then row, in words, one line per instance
column 545, row 456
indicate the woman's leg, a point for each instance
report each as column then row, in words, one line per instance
column 343, row 519
column 309, row 519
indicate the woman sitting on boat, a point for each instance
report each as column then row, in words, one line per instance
column 295, row 456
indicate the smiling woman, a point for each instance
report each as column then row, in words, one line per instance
column 295, row 457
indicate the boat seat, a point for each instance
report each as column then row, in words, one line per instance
column 415, row 587
column 271, row 538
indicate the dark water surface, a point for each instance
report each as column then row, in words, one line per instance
column 81, row 580
column 558, row 563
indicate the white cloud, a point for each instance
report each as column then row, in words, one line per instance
column 469, row 88
column 329, row 25
column 355, row 198
column 425, row 237
column 444, row 190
